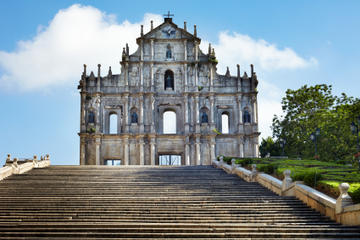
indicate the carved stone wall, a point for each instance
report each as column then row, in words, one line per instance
column 138, row 96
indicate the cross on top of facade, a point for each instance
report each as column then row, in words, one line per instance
column 168, row 15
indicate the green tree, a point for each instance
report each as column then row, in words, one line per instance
column 268, row 146
column 314, row 107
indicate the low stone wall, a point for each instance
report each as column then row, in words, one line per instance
column 18, row 167
column 341, row 209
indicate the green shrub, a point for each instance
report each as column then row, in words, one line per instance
column 268, row 168
column 244, row 161
column 298, row 176
column 355, row 195
column 312, row 178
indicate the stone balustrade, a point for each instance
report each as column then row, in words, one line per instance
column 341, row 209
column 16, row 166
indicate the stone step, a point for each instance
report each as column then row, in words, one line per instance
column 200, row 202
column 190, row 235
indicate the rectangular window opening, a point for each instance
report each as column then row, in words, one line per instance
column 170, row 160
column 112, row 162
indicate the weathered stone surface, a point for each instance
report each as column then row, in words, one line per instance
column 168, row 72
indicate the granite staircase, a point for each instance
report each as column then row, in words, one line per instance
column 193, row 202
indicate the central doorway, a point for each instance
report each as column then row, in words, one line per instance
column 170, row 160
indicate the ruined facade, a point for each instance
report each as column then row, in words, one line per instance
column 215, row 114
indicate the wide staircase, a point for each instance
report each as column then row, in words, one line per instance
column 194, row 202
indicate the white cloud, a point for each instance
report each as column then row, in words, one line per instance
column 269, row 104
column 238, row 48
column 76, row 35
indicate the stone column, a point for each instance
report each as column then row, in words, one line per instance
column 185, row 50
column 141, row 45
column 186, row 113
column 196, row 111
column 212, row 117
column 97, row 151
column 152, row 49
column 82, row 150
column 152, row 101
column 240, row 122
column 141, row 151
column 82, row 113
column 255, row 110
column 151, row 77
column 196, row 76
column 126, row 113
column 187, row 152
column 242, row 153
column 185, row 78
column 241, row 146
column 141, row 113
column 239, row 100
column 196, row 51
column 212, row 149
column 141, row 76
column 197, row 150
column 256, row 147
column 126, row 76
column 126, row 151
column 152, row 151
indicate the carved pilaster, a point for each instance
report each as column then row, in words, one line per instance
column 197, row 150
column 126, row 151
column 185, row 50
column 151, row 77
column 152, row 150
column 126, row 113
column 141, row 76
column 196, row 76
column 82, row 112
column 196, row 111
column 186, row 112
column 97, row 150
column 141, row 151
column 141, row 114
column 82, row 150
column 152, row 102
column 126, row 76
column 212, row 110
column 187, row 151
column 212, row 149
column 152, row 49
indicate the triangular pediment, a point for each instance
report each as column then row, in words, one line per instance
column 169, row 30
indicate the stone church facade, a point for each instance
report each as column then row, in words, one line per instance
column 122, row 118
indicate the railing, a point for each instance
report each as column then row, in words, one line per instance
column 17, row 166
column 341, row 209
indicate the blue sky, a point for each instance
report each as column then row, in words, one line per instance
column 45, row 43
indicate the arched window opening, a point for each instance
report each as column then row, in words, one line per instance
column 169, row 80
column 168, row 52
column 91, row 117
column 225, row 123
column 246, row 116
column 133, row 116
column 204, row 116
column 113, row 123
column 169, row 122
